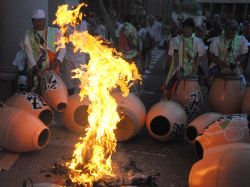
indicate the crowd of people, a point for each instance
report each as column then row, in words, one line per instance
column 221, row 43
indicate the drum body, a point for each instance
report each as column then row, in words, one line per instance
column 245, row 107
column 75, row 116
column 21, row 131
column 189, row 96
column 133, row 114
column 32, row 103
column 228, row 168
column 227, row 129
column 226, row 94
column 199, row 124
column 166, row 120
column 54, row 90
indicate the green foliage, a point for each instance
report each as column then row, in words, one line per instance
column 189, row 7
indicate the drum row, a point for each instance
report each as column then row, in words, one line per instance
column 221, row 143
column 25, row 117
column 165, row 120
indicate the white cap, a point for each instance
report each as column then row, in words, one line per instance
column 38, row 14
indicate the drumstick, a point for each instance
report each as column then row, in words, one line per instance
column 170, row 72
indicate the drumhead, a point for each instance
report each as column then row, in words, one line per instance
column 190, row 78
column 229, row 76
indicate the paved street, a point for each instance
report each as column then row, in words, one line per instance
column 171, row 161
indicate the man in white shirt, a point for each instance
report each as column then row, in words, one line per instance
column 185, row 54
column 228, row 50
column 188, row 48
column 155, row 29
column 39, row 47
column 73, row 60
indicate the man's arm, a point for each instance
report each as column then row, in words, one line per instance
column 213, row 54
column 31, row 62
column 217, row 60
column 60, row 54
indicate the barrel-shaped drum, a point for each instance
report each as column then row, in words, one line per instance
column 189, row 96
column 245, row 107
column 229, row 168
column 166, row 120
column 75, row 116
column 32, row 103
column 199, row 124
column 226, row 94
column 54, row 90
column 227, row 129
column 133, row 114
column 21, row 131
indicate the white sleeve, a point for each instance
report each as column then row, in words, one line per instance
column 200, row 48
column 243, row 45
column 28, row 51
column 172, row 46
column 214, row 47
column 62, row 51
column 61, row 54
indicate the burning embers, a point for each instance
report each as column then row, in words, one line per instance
column 127, row 174
column 105, row 71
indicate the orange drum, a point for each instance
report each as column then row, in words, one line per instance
column 133, row 114
column 245, row 107
column 226, row 94
column 75, row 116
column 54, row 90
column 166, row 120
column 228, row 168
column 199, row 124
column 189, row 96
column 227, row 129
column 21, row 131
column 34, row 104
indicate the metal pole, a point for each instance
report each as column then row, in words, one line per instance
column 234, row 9
column 246, row 10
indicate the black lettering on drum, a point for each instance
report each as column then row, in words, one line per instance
column 35, row 100
column 49, row 82
column 194, row 105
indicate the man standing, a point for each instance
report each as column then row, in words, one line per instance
column 128, row 41
column 229, row 50
column 188, row 48
column 74, row 60
column 39, row 47
column 185, row 51
column 155, row 30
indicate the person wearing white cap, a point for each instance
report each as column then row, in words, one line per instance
column 39, row 47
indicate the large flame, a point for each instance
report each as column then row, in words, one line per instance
column 105, row 71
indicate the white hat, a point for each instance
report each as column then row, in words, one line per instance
column 38, row 14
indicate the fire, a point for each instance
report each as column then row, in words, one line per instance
column 106, row 70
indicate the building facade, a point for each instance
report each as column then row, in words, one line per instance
column 239, row 9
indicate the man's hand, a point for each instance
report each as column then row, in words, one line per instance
column 54, row 64
column 42, row 58
column 35, row 70
column 224, row 64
